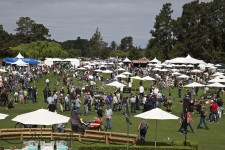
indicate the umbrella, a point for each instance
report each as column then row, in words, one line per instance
column 3, row 70
column 183, row 76
column 126, row 73
column 156, row 114
column 107, row 71
column 81, row 68
column 217, row 80
column 196, row 71
column 136, row 77
column 219, row 85
column 121, row 69
column 148, row 78
column 3, row 116
column 41, row 117
column 121, row 76
column 194, row 84
column 116, row 84
column 98, row 70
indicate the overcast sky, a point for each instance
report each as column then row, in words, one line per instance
column 68, row 19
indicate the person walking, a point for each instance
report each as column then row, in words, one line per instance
column 108, row 114
column 203, row 113
column 143, row 126
column 78, row 104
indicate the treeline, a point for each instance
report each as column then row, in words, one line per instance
column 199, row 31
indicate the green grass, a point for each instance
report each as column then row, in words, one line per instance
column 207, row 139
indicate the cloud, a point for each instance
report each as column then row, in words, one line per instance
column 68, row 19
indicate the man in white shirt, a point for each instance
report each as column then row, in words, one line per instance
column 159, row 99
column 141, row 90
column 108, row 116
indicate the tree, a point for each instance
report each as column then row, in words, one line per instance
column 113, row 46
column 81, row 45
column 96, row 44
column 41, row 49
column 126, row 43
column 119, row 53
column 24, row 29
column 39, row 32
column 28, row 30
column 162, row 38
column 134, row 54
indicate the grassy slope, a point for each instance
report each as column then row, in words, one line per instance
column 207, row 139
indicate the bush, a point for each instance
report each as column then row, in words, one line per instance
column 124, row 147
column 188, row 143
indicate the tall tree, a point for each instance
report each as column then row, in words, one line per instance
column 39, row 32
column 97, row 44
column 126, row 43
column 113, row 46
column 23, row 31
column 28, row 30
column 162, row 39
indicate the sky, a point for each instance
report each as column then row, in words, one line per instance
column 69, row 19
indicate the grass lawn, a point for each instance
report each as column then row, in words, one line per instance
column 207, row 139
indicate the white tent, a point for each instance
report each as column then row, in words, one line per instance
column 155, row 61
column 185, row 60
column 73, row 61
column 126, row 60
column 19, row 62
column 19, row 56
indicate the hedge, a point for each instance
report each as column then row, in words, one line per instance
column 111, row 147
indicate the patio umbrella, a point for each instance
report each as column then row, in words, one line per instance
column 116, row 84
column 3, row 70
column 183, row 76
column 107, row 71
column 136, row 77
column 194, row 84
column 148, row 78
column 121, row 76
column 218, row 85
column 126, row 73
column 3, row 116
column 41, row 117
column 156, row 114
column 217, row 80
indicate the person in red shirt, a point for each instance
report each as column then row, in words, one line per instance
column 213, row 117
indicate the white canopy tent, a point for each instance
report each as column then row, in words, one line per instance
column 184, row 60
column 19, row 62
column 73, row 61
column 19, row 56
column 155, row 61
column 126, row 60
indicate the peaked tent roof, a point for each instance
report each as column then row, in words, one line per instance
column 19, row 56
column 154, row 60
column 185, row 60
column 126, row 60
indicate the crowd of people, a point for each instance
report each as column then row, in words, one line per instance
column 64, row 95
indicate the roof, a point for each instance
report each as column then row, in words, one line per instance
column 140, row 61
